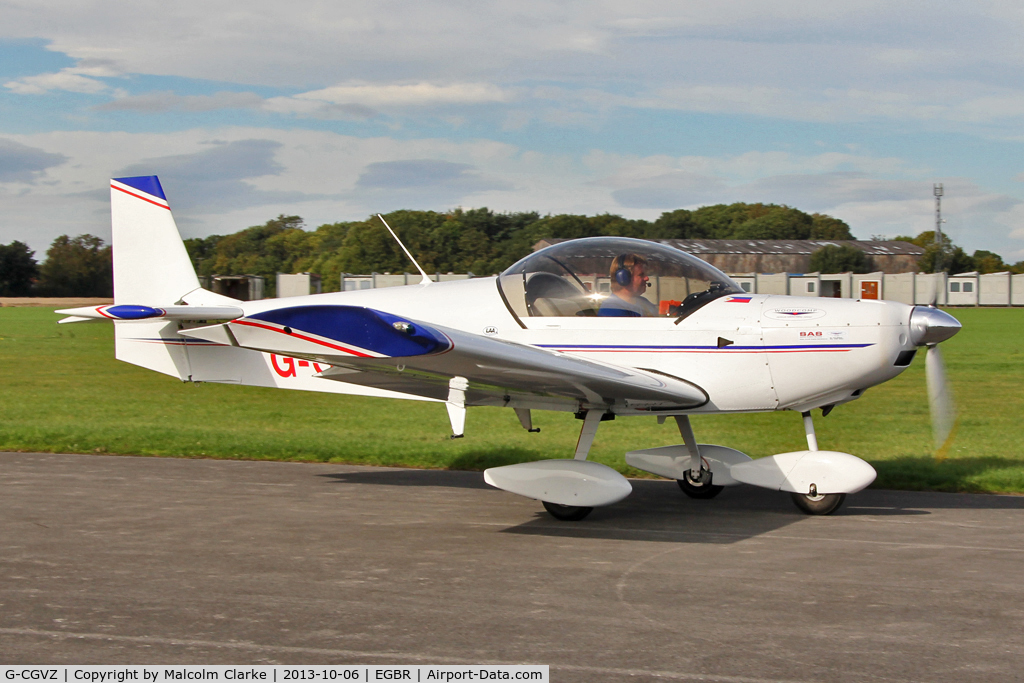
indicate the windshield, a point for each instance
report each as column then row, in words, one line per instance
column 612, row 277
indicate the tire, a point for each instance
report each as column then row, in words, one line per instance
column 567, row 513
column 821, row 504
column 696, row 489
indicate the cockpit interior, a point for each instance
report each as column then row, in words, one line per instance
column 612, row 276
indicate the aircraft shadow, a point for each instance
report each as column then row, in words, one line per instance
column 405, row 477
column 950, row 474
column 658, row 511
column 877, row 501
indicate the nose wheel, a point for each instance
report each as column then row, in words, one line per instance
column 815, row 503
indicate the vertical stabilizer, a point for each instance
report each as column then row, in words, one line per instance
column 151, row 266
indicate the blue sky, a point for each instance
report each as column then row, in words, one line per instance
column 333, row 111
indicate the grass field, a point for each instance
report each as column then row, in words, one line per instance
column 62, row 391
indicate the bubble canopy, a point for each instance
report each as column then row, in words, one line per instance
column 612, row 276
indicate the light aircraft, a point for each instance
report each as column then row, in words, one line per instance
column 602, row 327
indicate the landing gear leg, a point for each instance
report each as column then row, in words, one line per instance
column 574, row 513
column 814, row 503
column 696, row 482
column 591, row 421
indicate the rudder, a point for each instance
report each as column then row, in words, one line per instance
column 151, row 266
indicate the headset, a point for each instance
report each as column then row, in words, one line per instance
column 623, row 275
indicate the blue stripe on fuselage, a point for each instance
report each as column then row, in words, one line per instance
column 365, row 328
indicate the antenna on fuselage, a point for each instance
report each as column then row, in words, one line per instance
column 426, row 278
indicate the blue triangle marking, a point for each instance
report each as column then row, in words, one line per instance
column 149, row 184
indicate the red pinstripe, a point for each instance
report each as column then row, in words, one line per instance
column 139, row 196
column 571, row 350
column 302, row 337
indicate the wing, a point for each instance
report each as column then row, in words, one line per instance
column 373, row 348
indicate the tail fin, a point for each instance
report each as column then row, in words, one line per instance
column 151, row 266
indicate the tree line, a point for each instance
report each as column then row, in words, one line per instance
column 484, row 242
column 74, row 266
column 478, row 241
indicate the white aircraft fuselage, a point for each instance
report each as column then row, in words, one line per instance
column 786, row 352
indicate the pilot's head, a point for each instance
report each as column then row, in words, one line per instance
column 629, row 275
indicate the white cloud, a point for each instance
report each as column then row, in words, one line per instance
column 828, row 61
column 65, row 80
column 23, row 164
column 1014, row 220
column 165, row 100
column 408, row 95
column 970, row 105
column 222, row 180
column 80, row 78
column 362, row 100
column 573, row 65
column 874, row 195
column 746, row 168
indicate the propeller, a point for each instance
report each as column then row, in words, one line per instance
column 928, row 327
column 940, row 400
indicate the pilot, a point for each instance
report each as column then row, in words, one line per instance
column 629, row 281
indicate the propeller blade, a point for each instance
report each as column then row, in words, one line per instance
column 940, row 399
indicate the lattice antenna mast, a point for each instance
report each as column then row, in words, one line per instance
column 937, row 190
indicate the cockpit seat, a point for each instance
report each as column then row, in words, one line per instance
column 550, row 295
column 557, row 307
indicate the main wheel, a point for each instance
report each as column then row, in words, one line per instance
column 698, row 489
column 821, row 504
column 567, row 513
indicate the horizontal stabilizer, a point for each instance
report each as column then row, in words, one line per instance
column 563, row 482
column 132, row 312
